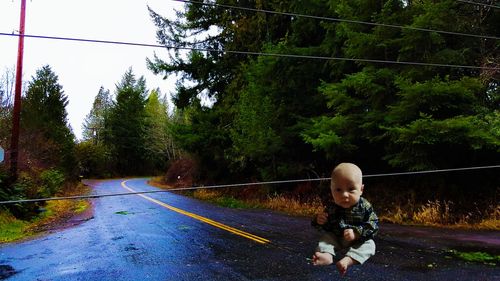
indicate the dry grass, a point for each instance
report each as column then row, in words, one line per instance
column 432, row 213
column 57, row 213
column 396, row 216
column 158, row 182
column 206, row 194
column 438, row 213
column 279, row 203
column 492, row 221
column 294, row 206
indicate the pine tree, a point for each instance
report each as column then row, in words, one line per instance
column 46, row 135
column 94, row 125
column 127, row 125
column 156, row 136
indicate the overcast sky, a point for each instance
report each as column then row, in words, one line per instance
column 83, row 68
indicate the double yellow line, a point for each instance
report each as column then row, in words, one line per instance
column 203, row 219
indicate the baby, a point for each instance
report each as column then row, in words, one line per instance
column 350, row 222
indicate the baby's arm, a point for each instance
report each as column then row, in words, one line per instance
column 350, row 235
column 321, row 218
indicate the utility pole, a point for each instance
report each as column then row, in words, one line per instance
column 14, row 142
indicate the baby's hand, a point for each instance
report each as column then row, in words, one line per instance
column 350, row 235
column 322, row 218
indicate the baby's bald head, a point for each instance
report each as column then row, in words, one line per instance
column 348, row 170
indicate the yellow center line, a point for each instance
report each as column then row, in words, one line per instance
column 203, row 219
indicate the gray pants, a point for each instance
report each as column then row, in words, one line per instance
column 358, row 251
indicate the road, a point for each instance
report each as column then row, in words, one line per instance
column 165, row 236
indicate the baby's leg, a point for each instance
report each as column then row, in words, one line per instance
column 322, row 258
column 344, row 264
column 325, row 252
column 361, row 252
column 357, row 254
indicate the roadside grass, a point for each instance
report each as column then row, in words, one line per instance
column 294, row 206
column 432, row 213
column 439, row 213
column 53, row 213
column 492, row 221
column 11, row 229
column 275, row 202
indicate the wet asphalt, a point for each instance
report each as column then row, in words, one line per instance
column 131, row 238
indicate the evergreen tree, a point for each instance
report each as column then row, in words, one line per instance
column 156, row 135
column 411, row 117
column 94, row 125
column 45, row 133
column 347, row 110
column 283, row 86
column 93, row 154
column 127, row 125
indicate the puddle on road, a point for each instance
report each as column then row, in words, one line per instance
column 124, row 213
column 184, row 227
column 6, row 271
column 131, row 247
column 117, row 238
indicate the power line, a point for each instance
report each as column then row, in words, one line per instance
column 336, row 19
column 240, row 185
column 252, row 53
column 479, row 4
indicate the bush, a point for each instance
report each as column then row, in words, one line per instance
column 23, row 188
column 4, row 185
column 52, row 182
column 182, row 173
column 94, row 160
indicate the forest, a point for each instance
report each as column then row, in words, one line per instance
column 280, row 90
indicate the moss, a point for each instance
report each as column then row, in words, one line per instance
column 480, row 257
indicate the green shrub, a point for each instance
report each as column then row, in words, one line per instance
column 4, row 186
column 23, row 188
column 52, row 182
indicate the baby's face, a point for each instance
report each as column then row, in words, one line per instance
column 346, row 190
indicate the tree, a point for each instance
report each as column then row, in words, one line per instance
column 7, row 88
column 127, row 125
column 156, row 134
column 94, row 125
column 402, row 115
column 93, row 153
column 6, row 103
column 442, row 123
column 175, row 117
column 281, row 87
column 333, row 110
column 45, row 133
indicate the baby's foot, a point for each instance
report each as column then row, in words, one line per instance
column 322, row 258
column 344, row 264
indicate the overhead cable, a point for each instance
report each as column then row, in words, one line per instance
column 479, row 4
column 336, row 19
column 240, row 185
column 253, row 53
